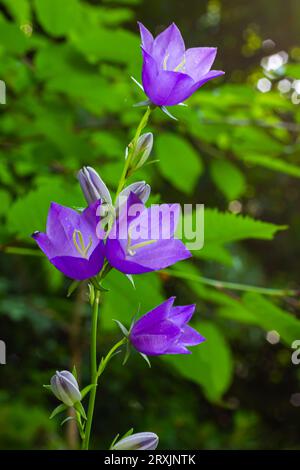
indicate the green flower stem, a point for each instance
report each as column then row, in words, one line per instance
column 109, row 355
column 230, row 285
column 131, row 147
column 86, row 440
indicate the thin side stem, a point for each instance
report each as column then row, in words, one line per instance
column 94, row 378
column 231, row 285
column 131, row 147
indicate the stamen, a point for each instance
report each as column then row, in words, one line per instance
column 181, row 65
column 80, row 245
column 165, row 61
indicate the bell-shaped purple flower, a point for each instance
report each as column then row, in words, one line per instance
column 71, row 241
column 142, row 239
column 164, row 330
column 170, row 72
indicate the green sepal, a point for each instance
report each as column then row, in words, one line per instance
column 59, row 409
column 48, row 387
column 114, row 441
column 122, row 328
column 86, row 390
column 127, row 353
column 98, row 286
column 128, row 433
column 146, row 358
column 131, row 280
column 72, row 288
column 78, row 406
column 69, row 418
column 74, row 372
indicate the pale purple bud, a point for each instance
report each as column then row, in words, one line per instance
column 93, row 187
column 65, row 387
column 138, row 441
column 140, row 188
column 142, row 150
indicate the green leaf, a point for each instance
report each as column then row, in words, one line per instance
column 180, row 164
column 20, row 10
column 273, row 163
column 228, row 178
column 29, row 212
column 253, row 309
column 225, row 227
column 210, row 365
column 270, row 317
column 59, row 409
column 57, row 17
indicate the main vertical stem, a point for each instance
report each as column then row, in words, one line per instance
column 86, row 441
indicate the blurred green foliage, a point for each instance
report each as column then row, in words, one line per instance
column 67, row 68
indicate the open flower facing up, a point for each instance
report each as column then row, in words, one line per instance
column 142, row 240
column 71, row 242
column 170, row 72
column 164, row 330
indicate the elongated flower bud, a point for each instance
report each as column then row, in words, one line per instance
column 142, row 151
column 65, row 387
column 138, row 441
column 140, row 188
column 93, row 187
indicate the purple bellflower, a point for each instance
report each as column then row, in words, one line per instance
column 142, row 239
column 164, row 330
column 171, row 73
column 71, row 242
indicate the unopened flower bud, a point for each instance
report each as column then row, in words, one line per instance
column 138, row 441
column 142, row 150
column 93, row 187
column 140, row 188
column 65, row 387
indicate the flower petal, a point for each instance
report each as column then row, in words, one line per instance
column 45, row 244
column 190, row 337
column 164, row 88
column 81, row 268
column 155, row 344
column 176, row 348
column 198, row 61
column 154, row 317
column 182, row 315
column 168, row 48
column 186, row 92
column 61, row 223
column 146, row 37
column 159, row 255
